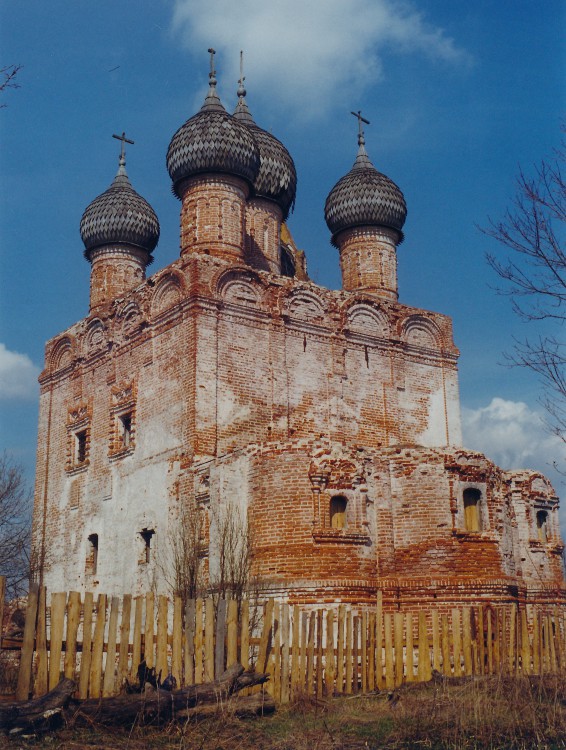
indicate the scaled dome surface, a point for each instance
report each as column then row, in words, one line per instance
column 365, row 196
column 277, row 177
column 212, row 141
column 119, row 216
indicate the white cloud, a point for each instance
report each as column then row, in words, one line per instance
column 514, row 436
column 309, row 52
column 18, row 375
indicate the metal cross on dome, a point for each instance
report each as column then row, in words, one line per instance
column 358, row 114
column 123, row 148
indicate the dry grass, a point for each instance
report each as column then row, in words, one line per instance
column 499, row 714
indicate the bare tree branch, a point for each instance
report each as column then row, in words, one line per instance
column 8, row 79
column 15, row 526
column 532, row 267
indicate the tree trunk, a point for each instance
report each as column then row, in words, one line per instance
column 37, row 715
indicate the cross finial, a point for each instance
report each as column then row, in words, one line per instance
column 242, row 78
column 212, row 74
column 123, row 147
column 361, row 139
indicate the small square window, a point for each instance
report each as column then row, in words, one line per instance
column 542, row 526
column 472, row 517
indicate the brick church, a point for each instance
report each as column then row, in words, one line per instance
column 229, row 385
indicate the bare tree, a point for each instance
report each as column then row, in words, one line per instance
column 8, row 79
column 181, row 557
column 15, row 526
column 230, row 572
column 533, row 270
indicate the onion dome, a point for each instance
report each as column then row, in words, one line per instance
column 277, row 176
column 212, row 141
column 364, row 196
column 119, row 215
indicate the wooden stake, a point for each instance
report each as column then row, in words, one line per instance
column 86, row 655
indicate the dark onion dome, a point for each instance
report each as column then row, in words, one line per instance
column 364, row 196
column 277, row 176
column 212, row 141
column 119, row 216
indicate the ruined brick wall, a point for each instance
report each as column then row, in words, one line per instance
column 242, row 388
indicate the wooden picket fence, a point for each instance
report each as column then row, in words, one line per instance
column 99, row 643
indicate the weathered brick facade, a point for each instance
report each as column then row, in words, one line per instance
column 330, row 418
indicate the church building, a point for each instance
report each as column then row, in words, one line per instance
column 229, row 394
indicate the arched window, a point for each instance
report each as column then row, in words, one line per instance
column 338, row 512
column 542, row 526
column 472, row 518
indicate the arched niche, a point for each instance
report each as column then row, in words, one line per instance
column 167, row 293
column 239, row 287
column 418, row 330
column 303, row 304
column 61, row 355
column 367, row 319
column 95, row 337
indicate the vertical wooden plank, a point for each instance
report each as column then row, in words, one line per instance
column 124, row 653
column 58, row 601
column 189, row 644
column 220, row 642
column 379, row 643
column 502, row 639
column 245, row 634
column 177, row 641
column 295, row 654
column 285, row 653
column 41, row 679
column 457, row 640
column 303, row 657
column 424, row 650
column 73, row 618
column 560, row 666
column 161, row 652
column 481, row 639
column 445, row 645
column 329, row 663
column 467, row 640
column 263, row 650
column 310, row 654
column 410, row 676
column 98, row 647
column 525, row 644
column 389, row 673
column 536, row 644
column 209, row 640
column 435, row 640
column 496, row 627
column 356, row 652
column 149, row 630
column 371, row 651
column 364, row 650
column 319, row 652
column 340, row 649
column 543, row 644
column 109, row 682
column 512, row 644
column 398, row 619
column 490, row 641
column 349, row 653
column 136, row 640
column 26, row 659
column 232, row 633
column 552, row 664
column 199, row 641
column 86, row 655
column 276, row 653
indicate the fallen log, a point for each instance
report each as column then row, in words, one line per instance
column 240, row 706
column 39, row 715
column 156, row 705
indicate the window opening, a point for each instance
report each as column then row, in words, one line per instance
column 80, row 446
column 146, row 535
column 472, row 499
column 542, row 526
column 93, row 539
column 126, row 429
column 338, row 512
column 287, row 263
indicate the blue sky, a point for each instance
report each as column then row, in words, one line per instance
column 459, row 95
